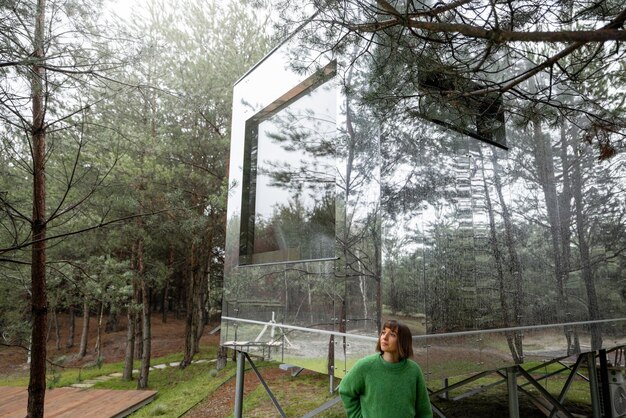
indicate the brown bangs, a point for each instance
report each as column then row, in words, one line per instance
column 405, row 339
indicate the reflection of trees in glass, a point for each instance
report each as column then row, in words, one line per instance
column 507, row 267
column 540, row 234
column 451, row 303
column 535, row 258
column 540, row 172
column 566, row 191
column 536, row 237
column 358, row 226
column 356, row 289
column 469, row 238
column 558, row 213
column 428, row 258
column 308, row 139
column 306, row 233
column 295, row 180
column 427, row 195
column 403, row 291
column 507, row 246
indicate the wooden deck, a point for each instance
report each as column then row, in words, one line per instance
column 73, row 402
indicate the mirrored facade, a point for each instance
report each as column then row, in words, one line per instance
column 497, row 242
column 288, row 197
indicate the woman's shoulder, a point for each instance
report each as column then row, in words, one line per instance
column 412, row 364
column 361, row 368
column 367, row 361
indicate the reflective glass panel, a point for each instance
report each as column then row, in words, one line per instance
column 352, row 203
column 289, row 176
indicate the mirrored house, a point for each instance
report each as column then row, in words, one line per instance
column 497, row 241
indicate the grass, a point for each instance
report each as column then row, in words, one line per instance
column 493, row 401
column 318, row 364
column 296, row 396
column 178, row 390
column 484, row 403
column 61, row 377
column 21, row 381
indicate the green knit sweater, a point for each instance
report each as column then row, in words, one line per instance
column 375, row 388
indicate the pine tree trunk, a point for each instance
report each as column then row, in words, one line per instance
column 130, row 344
column 515, row 267
column 557, row 216
column 501, row 278
column 57, row 333
column 201, row 317
column 131, row 322
column 142, row 382
column 138, row 325
column 182, row 286
column 99, row 331
column 112, row 321
column 193, row 308
column 166, row 287
column 72, row 327
column 222, row 357
column 585, row 256
column 164, row 302
column 84, row 337
column 345, row 233
column 144, row 371
column 39, row 298
column 376, row 234
column 565, row 215
column 49, row 330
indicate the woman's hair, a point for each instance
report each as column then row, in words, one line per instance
column 405, row 339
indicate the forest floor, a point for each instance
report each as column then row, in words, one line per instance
column 168, row 338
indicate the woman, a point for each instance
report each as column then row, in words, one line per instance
column 388, row 383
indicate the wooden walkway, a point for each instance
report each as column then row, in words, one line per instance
column 73, row 402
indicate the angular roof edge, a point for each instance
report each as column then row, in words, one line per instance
column 281, row 43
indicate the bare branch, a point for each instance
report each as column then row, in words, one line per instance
column 498, row 36
column 80, row 231
column 611, row 32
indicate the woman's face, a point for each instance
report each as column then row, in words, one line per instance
column 389, row 341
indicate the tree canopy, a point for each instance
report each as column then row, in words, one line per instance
column 540, row 57
column 113, row 143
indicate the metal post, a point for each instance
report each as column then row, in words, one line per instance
column 593, row 385
column 605, row 394
column 241, row 360
column 445, row 395
column 267, row 388
column 511, row 383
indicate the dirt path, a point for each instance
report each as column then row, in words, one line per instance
column 221, row 403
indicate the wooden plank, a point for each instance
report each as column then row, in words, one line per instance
column 73, row 402
column 127, row 403
column 12, row 399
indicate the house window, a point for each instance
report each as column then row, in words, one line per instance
column 480, row 116
column 288, row 199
